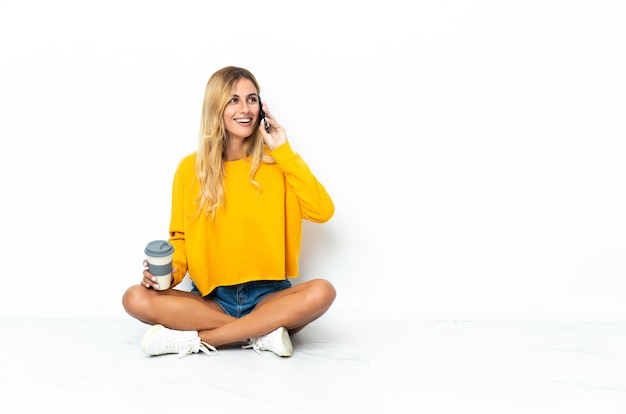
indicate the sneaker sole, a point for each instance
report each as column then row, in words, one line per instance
column 284, row 348
column 147, row 336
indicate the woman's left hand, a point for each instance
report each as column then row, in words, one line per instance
column 277, row 135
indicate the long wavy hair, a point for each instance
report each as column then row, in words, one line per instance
column 209, row 166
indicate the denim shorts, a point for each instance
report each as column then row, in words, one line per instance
column 240, row 300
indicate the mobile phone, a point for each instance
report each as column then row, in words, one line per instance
column 263, row 116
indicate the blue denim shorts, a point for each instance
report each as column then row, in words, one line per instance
column 240, row 300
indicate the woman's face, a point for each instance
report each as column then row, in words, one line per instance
column 242, row 110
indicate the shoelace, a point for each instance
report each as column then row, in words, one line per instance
column 257, row 344
column 195, row 346
column 206, row 348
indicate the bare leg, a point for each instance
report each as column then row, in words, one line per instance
column 291, row 308
column 174, row 309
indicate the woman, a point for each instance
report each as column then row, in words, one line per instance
column 236, row 223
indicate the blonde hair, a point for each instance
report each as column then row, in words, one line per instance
column 209, row 166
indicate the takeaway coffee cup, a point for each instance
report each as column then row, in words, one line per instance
column 159, row 254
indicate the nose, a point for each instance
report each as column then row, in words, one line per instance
column 244, row 106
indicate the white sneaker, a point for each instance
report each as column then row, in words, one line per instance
column 277, row 341
column 161, row 340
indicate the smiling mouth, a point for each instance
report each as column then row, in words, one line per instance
column 244, row 121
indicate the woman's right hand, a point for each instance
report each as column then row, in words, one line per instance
column 149, row 280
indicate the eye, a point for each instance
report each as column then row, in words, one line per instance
column 252, row 99
column 233, row 100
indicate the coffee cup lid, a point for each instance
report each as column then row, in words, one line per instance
column 159, row 248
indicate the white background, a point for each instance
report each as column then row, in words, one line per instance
column 474, row 149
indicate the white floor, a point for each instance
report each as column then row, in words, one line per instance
column 79, row 366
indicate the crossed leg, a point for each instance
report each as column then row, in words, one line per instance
column 292, row 308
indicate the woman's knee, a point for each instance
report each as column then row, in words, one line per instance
column 323, row 292
column 135, row 300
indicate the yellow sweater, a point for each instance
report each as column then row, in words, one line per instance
column 254, row 236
